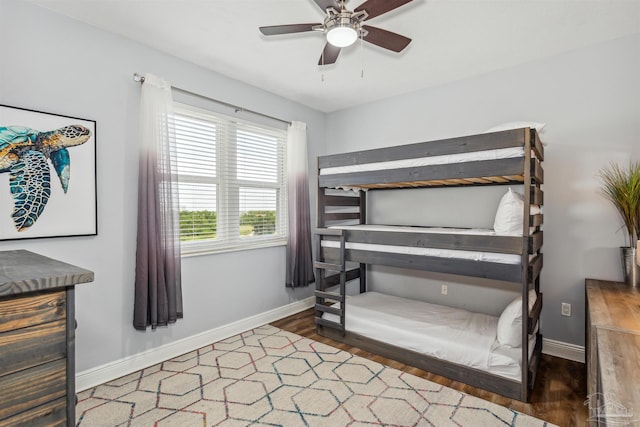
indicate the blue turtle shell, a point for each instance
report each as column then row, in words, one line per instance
column 29, row 180
column 16, row 134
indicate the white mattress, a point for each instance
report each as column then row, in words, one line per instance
column 502, row 153
column 447, row 333
column 410, row 250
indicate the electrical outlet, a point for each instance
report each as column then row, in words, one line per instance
column 444, row 289
column 566, row 309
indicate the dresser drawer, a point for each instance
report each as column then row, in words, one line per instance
column 32, row 309
column 52, row 414
column 28, row 347
column 25, row 390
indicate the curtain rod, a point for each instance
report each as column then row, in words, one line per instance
column 140, row 79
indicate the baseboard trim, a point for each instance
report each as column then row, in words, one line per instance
column 119, row 368
column 563, row 350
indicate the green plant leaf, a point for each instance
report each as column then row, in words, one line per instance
column 622, row 188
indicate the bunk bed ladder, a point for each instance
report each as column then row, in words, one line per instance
column 326, row 301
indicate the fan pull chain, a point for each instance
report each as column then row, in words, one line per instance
column 361, row 56
column 322, row 74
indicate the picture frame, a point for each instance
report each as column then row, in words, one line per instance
column 48, row 180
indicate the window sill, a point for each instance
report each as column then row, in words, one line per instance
column 193, row 252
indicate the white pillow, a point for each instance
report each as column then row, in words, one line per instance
column 516, row 125
column 508, row 219
column 509, row 331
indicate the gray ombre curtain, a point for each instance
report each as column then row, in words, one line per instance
column 158, row 289
column 299, row 257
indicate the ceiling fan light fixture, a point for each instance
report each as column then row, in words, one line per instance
column 342, row 35
column 343, row 27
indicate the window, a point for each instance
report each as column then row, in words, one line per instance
column 231, row 181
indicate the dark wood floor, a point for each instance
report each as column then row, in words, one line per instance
column 558, row 395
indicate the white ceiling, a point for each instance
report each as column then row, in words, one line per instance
column 452, row 40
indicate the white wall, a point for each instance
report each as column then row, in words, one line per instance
column 54, row 64
column 590, row 101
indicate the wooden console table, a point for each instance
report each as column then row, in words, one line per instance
column 37, row 339
column 613, row 353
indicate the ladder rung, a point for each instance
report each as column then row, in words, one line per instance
column 329, row 324
column 329, row 295
column 328, row 309
column 328, row 231
column 327, row 266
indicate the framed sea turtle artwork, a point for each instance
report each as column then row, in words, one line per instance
column 47, row 175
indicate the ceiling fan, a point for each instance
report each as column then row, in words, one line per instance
column 343, row 27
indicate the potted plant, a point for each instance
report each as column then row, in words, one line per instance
column 621, row 186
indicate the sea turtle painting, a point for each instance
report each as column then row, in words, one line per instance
column 24, row 153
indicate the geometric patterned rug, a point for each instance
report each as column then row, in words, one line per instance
column 271, row 377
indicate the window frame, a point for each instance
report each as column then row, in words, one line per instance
column 229, row 186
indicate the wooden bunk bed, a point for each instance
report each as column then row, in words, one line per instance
column 500, row 158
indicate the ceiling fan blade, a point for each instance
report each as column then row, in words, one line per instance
column 274, row 30
column 378, row 7
column 386, row 39
column 324, row 4
column 329, row 54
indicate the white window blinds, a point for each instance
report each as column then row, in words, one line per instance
column 232, row 182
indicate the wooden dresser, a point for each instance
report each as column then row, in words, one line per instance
column 37, row 339
column 613, row 353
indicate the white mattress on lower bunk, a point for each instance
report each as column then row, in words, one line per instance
column 410, row 250
column 501, row 153
column 455, row 335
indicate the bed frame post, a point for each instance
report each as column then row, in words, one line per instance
column 525, row 265
column 319, row 272
column 343, row 281
column 363, row 220
column 320, row 202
